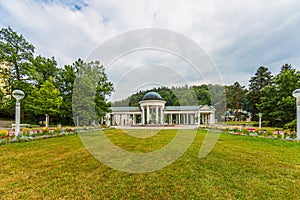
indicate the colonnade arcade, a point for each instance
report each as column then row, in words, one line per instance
column 159, row 115
column 189, row 117
column 152, row 110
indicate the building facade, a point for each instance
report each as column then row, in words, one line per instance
column 4, row 76
column 152, row 111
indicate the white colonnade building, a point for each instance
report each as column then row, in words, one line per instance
column 152, row 111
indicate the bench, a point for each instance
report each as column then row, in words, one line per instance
column 21, row 125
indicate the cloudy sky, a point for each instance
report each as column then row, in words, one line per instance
column 238, row 36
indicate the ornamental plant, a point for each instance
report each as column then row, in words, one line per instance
column 245, row 131
column 57, row 129
column 3, row 133
column 26, row 131
column 69, row 129
column 45, row 130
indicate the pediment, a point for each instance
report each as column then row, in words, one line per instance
column 207, row 108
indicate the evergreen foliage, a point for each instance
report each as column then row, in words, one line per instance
column 50, row 89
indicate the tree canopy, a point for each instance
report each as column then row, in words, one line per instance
column 48, row 87
column 262, row 78
column 276, row 102
column 44, row 100
column 52, row 90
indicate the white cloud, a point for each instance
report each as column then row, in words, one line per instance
column 238, row 35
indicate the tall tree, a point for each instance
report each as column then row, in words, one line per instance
column 45, row 100
column 218, row 100
column 42, row 69
column 235, row 96
column 103, row 90
column 203, row 94
column 262, row 78
column 277, row 103
column 91, row 87
column 65, row 82
column 15, row 50
column 16, row 53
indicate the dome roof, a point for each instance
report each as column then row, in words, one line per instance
column 152, row 96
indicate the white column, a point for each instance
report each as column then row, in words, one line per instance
column 156, row 115
column 162, row 116
column 17, row 118
column 171, row 120
column 212, row 118
column 298, row 122
column 134, row 119
column 296, row 94
column 143, row 115
column 198, row 118
column 187, row 118
column 179, row 120
column 148, row 114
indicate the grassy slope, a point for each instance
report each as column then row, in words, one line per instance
column 238, row 167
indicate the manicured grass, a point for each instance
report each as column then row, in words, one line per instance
column 237, row 168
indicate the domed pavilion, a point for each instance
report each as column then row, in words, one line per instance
column 152, row 111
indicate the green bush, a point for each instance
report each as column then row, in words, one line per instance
column 263, row 123
column 291, row 125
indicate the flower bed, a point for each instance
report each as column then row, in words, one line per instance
column 28, row 134
column 252, row 131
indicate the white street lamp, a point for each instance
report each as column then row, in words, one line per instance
column 18, row 95
column 260, row 115
column 296, row 94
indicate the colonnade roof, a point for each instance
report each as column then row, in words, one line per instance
column 179, row 108
column 125, row 108
column 167, row 108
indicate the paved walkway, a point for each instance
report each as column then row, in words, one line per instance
column 158, row 127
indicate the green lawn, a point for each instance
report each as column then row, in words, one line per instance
column 237, row 168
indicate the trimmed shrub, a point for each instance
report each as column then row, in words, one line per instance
column 291, row 125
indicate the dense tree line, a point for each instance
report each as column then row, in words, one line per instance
column 268, row 94
column 276, row 102
column 174, row 96
column 48, row 87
